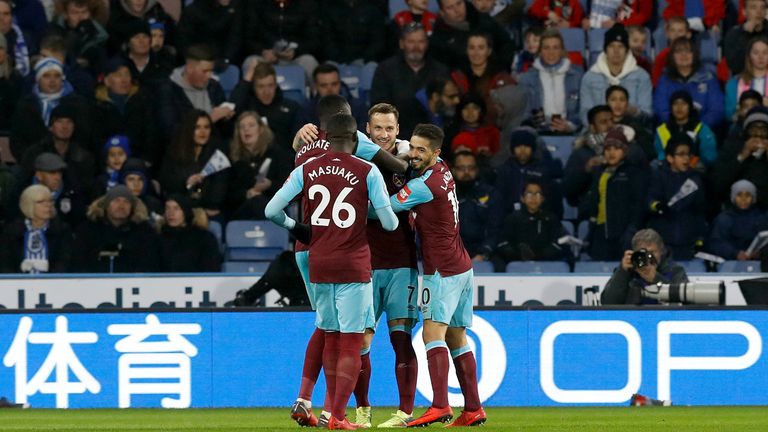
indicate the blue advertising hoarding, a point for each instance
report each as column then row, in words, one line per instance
column 525, row 358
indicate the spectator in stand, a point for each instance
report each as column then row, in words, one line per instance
column 11, row 87
column 457, row 20
column 273, row 24
column 125, row 14
column 481, row 73
column 684, row 119
column 704, row 15
column 737, row 37
column 504, row 12
column 674, row 28
column 746, row 159
column 148, row 68
column 61, row 139
column 218, row 23
column 438, row 101
column 616, row 66
column 557, row 14
column 627, row 282
column 30, row 16
column 748, row 100
column 417, row 12
column 531, row 232
column 360, row 40
column 614, row 203
column 191, row 87
column 116, row 238
column 735, row 227
column 16, row 46
column 553, row 86
column 54, row 46
column 135, row 177
column 473, row 194
column 186, row 245
column 164, row 52
column 327, row 81
column 638, row 44
column 587, row 155
column 684, row 72
column 475, row 135
column 124, row 107
column 677, row 200
column 641, row 149
column 259, row 167
column 398, row 78
column 183, row 163
column 116, row 151
column 510, row 102
column 607, row 13
column 531, row 44
column 258, row 91
column 33, row 112
column 754, row 76
column 38, row 242
column 86, row 39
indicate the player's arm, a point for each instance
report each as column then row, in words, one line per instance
column 369, row 151
column 307, row 133
column 377, row 194
column 275, row 209
column 415, row 192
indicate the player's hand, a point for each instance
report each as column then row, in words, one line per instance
column 308, row 133
column 626, row 261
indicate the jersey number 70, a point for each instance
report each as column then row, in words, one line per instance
column 338, row 206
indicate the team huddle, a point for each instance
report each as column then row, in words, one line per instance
column 364, row 202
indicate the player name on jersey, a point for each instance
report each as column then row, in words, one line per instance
column 333, row 170
column 321, row 145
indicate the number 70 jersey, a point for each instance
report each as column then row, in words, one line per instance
column 337, row 187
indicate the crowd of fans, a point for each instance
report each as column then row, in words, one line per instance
column 116, row 121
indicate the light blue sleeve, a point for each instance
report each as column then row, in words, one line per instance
column 708, row 147
column 292, row 187
column 366, row 149
column 415, row 192
column 377, row 190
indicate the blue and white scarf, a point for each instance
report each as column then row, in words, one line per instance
column 35, row 249
column 50, row 101
column 21, row 51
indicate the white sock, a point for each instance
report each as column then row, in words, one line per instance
column 308, row 403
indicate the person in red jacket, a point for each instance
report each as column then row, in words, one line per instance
column 674, row 28
column 701, row 15
column 417, row 11
column 475, row 135
column 557, row 13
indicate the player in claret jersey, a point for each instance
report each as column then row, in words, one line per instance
column 447, row 294
column 338, row 186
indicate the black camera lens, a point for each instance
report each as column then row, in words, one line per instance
column 641, row 258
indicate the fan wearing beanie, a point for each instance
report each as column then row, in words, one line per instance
column 186, row 244
column 735, row 227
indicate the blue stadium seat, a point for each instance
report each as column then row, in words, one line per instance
column 693, row 266
column 482, row 267
column 568, row 226
column 254, row 240
column 229, row 79
column 245, row 266
column 583, row 231
column 739, row 267
column 595, row 38
column 559, row 146
column 396, row 6
column 215, row 228
column 659, row 38
column 537, row 267
column 575, row 40
column 292, row 82
column 569, row 212
column 606, row 267
column 366, row 81
column 352, row 76
column 709, row 49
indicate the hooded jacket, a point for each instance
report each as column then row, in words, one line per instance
column 283, row 115
column 189, row 249
column 122, row 18
column 532, row 81
column 734, row 229
column 703, row 87
column 208, row 22
column 176, row 97
column 632, row 77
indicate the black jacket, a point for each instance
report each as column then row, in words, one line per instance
column 531, row 237
column 81, row 166
column 121, row 21
column 59, row 239
column 207, row 22
column 189, row 250
column 352, row 31
column 737, row 41
column 243, row 174
column 473, row 214
column 172, row 104
column 211, row 194
column 294, row 21
column 728, row 169
column 10, row 93
column 626, row 287
column 283, row 115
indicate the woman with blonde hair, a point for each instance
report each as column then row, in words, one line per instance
column 259, row 167
column 38, row 242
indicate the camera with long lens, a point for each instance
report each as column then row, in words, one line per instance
column 701, row 293
column 641, row 258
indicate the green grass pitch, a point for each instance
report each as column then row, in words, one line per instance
column 675, row 419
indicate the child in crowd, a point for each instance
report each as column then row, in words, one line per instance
column 557, row 13
column 734, row 229
column 641, row 150
column 165, row 54
column 475, row 134
column 683, row 118
column 676, row 200
column 135, row 176
column 638, row 42
column 525, row 58
column 417, row 12
column 674, row 28
column 587, row 154
column 530, row 233
column 117, row 150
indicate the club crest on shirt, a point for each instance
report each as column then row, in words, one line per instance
column 398, row 179
column 404, row 193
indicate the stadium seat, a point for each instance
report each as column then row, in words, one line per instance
column 739, row 267
column 396, row 6
column 254, row 240
column 537, row 267
column 245, row 266
column 559, row 146
column 568, row 226
column 215, row 228
column 482, row 267
column 606, row 267
column 575, row 40
column 708, row 49
column 569, row 212
column 595, row 38
column 583, row 231
column 366, row 81
column 229, row 79
column 292, row 82
column 352, row 76
column 693, row 266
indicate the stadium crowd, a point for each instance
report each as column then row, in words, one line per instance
column 120, row 116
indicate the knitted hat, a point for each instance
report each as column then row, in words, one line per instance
column 119, row 191
column 114, row 64
column 49, row 162
column 65, row 110
column 156, row 25
column 121, row 141
column 616, row 138
column 138, row 167
column 522, row 136
column 46, row 64
column 137, row 27
column 617, row 33
column 743, row 186
column 186, row 206
column 757, row 114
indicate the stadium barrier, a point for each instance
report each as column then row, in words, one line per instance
column 164, row 291
column 526, row 357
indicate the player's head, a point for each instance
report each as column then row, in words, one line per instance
column 341, row 132
column 383, row 125
column 426, row 142
column 330, row 105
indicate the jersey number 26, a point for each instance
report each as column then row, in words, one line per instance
column 338, row 206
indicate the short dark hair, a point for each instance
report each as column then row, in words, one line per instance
column 331, row 105
column 481, row 34
column 325, row 68
column 431, row 133
column 465, row 153
column 615, row 88
column 54, row 42
column 79, row 3
column 751, row 94
column 263, row 70
column 530, row 182
column 533, row 30
column 341, row 125
column 384, row 108
column 595, row 110
column 200, row 52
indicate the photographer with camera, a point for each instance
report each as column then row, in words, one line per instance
column 646, row 264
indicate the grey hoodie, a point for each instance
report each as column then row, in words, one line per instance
column 198, row 97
